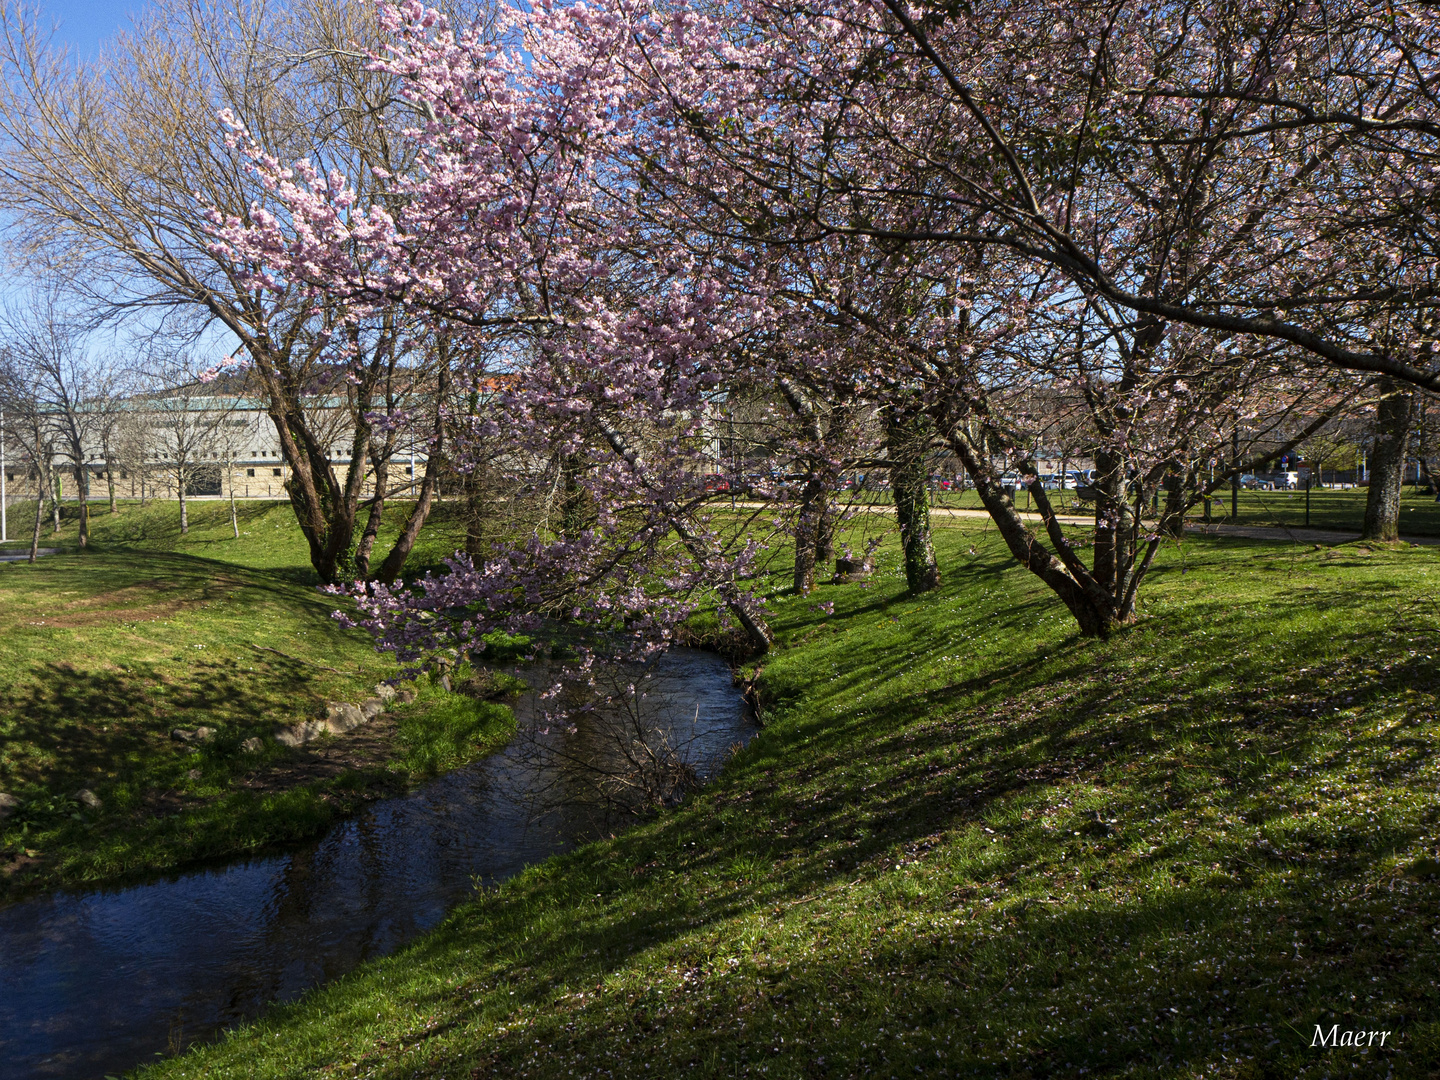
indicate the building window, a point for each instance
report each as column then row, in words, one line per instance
column 249, row 472
column 124, row 475
column 275, row 471
column 409, row 470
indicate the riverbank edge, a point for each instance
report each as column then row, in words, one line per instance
column 270, row 821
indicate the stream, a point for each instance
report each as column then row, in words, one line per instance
column 100, row 981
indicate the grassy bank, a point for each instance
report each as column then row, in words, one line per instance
column 105, row 653
column 970, row 844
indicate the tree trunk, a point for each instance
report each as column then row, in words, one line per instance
column 807, row 535
column 825, row 536
column 39, row 516
column 59, row 486
column 234, row 517
column 1173, row 518
column 577, row 509
column 814, row 526
column 1393, row 422
column 184, row 510
column 110, row 482
column 906, row 440
column 757, row 630
column 377, row 513
column 1096, row 610
column 82, row 480
column 429, row 491
column 395, row 561
column 1107, row 483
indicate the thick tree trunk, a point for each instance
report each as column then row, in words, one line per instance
column 906, row 440
column 825, row 536
column 395, row 561
column 377, row 511
column 807, row 534
column 1393, row 422
column 1096, row 611
column 813, row 496
column 1108, row 485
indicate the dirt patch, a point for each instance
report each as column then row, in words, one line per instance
column 325, row 759
column 14, row 864
column 145, row 601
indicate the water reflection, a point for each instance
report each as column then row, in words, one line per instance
column 100, row 981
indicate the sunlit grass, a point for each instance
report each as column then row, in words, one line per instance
column 106, row 652
column 970, row 843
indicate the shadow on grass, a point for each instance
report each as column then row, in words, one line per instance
column 1172, row 853
column 1000, row 879
column 109, row 653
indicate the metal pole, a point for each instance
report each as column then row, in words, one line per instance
column 4, row 534
column 1308, row 482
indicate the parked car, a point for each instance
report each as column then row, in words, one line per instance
column 715, row 482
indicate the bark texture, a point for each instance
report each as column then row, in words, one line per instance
column 1394, row 421
column 907, row 437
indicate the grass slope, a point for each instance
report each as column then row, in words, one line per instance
column 105, row 652
column 970, row 844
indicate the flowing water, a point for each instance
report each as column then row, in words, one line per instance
column 97, row 982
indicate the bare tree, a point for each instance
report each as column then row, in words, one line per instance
column 186, row 419
column 27, row 429
column 75, row 397
column 109, row 171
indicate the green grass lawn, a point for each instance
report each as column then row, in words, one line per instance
column 105, row 653
column 970, row 843
column 269, row 538
column 1330, row 508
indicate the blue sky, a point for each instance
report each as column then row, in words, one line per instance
column 84, row 24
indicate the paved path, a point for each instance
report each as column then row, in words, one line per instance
column 1281, row 533
column 1294, row 535
column 23, row 556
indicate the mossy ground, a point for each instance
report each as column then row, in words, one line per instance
column 105, row 652
column 970, row 843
